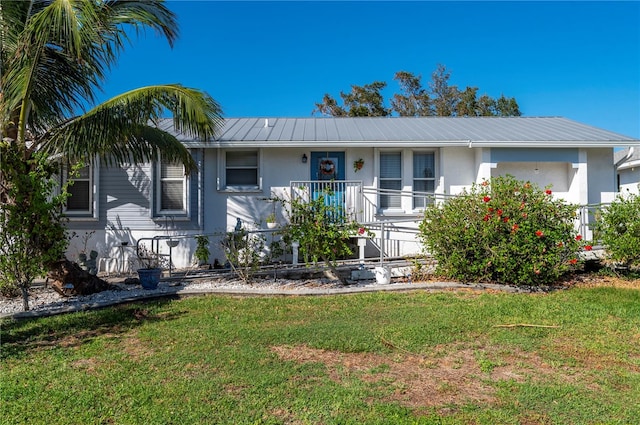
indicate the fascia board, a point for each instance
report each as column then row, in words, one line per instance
column 629, row 164
column 225, row 144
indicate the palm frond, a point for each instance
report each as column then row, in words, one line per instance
column 121, row 130
column 57, row 52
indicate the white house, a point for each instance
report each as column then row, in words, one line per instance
column 627, row 162
column 405, row 163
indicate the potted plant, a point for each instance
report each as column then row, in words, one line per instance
column 271, row 221
column 150, row 272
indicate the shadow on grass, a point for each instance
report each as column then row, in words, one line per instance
column 19, row 337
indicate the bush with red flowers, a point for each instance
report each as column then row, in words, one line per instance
column 505, row 231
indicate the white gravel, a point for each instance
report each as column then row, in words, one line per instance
column 44, row 300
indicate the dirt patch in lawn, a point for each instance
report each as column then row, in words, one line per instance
column 449, row 375
column 594, row 280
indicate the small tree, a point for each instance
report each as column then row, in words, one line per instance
column 505, row 231
column 322, row 228
column 32, row 234
column 619, row 228
column 244, row 251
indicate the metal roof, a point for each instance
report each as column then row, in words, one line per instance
column 410, row 132
column 627, row 158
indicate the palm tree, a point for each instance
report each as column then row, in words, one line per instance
column 54, row 56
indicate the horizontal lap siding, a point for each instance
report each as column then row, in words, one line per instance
column 125, row 199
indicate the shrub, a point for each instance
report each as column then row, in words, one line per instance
column 503, row 230
column 32, row 234
column 244, row 251
column 322, row 227
column 619, row 228
column 202, row 250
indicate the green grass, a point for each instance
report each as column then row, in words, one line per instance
column 379, row 358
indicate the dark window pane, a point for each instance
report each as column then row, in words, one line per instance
column 239, row 177
column 390, row 200
column 172, row 196
column 79, row 199
column 390, row 165
column 423, row 165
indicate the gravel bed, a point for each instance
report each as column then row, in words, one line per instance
column 44, row 300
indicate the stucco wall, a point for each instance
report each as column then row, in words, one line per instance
column 629, row 180
column 601, row 176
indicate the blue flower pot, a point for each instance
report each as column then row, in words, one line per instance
column 149, row 278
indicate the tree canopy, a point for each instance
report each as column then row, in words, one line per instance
column 439, row 99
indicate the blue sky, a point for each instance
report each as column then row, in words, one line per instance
column 580, row 60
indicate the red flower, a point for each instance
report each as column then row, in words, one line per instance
column 514, row 228
column 588, row 247
column 560, row 244
column 578, row 237
column 539, row 233
column 548, row 191
column 525, row 215
column 499, row 212
column 487, row 217
column 361, row 231
column 490, row 209
column 506, row 219
column 485, row 183
column 573, row 261
column 486, row 198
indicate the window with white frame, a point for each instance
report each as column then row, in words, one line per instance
column 241, row 170
column 390, row 179
column 172, row 190
column 80, row 201
column 424, row 180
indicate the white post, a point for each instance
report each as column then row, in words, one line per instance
column 294, row 248
column 381, row 242
column 362, row 242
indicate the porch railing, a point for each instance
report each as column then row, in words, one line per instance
column 345, row 194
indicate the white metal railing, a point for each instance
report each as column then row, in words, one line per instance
column 363, row 204
column 345, row 194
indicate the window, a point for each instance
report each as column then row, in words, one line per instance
column 81, row 200
column 241, row 170
column 423, row 178
column 390, row 179
column 172, row 192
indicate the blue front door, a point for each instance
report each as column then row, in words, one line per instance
column 327, row 166
column 327, row 169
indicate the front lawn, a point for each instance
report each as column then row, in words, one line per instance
column 378, row 358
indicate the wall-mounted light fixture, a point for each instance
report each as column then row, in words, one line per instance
column 304, row 158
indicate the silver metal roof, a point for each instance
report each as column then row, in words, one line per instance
column 627, row 158
column 410, row 132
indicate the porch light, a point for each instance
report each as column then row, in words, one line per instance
column 304, row 158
